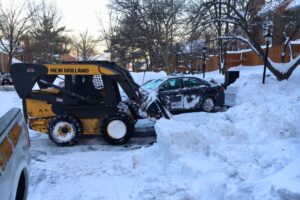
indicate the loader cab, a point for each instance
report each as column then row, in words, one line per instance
column 99, row 89
column 87, row 86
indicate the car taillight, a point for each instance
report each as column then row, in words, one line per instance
column 28, row 137
column 221, row 89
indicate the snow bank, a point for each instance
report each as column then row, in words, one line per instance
column 142, row 77
column 249, row 152
column 9, row 99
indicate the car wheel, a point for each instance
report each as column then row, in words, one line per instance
column 21, row 192
column 65, row 130
column 117, row 128
column 208, row 104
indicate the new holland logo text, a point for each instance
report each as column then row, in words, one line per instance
column 70, row 70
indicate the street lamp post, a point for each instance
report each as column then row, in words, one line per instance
column 268, row 38
column 204, row 60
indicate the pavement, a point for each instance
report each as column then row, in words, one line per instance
column 7, row 88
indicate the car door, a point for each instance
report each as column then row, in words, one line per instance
column 171, row 94
column 193, row 91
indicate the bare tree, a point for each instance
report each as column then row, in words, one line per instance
column 14, row 25
column 199, row 13
column 46, row 34
column 84, row 45
column 287, row 26
column 151, row 26
column 109, row 32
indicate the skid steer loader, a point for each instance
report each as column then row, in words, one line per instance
column 86, row 101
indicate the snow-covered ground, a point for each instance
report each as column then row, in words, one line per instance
column 251, row 151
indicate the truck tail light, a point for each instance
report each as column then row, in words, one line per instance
column 221, row 89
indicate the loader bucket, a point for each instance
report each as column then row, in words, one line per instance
column 154, row 107
column 25, row 75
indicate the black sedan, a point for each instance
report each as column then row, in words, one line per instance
column 6, row 79
column 186, row 93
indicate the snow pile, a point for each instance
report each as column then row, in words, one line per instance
column 9, row 99
column 249, row 152
column 142, row 77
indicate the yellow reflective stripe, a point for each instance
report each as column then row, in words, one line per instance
column 14, row 134
column 6, row 150
column 2, row 163
column 77, row 69
column 8, row 144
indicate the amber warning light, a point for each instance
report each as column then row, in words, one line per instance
column 30, row 70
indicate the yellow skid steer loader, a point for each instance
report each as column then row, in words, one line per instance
column 86, row 101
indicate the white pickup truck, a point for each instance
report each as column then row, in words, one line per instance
column 14, row 156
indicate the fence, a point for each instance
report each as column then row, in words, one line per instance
column 3, row 63
column 250, row 58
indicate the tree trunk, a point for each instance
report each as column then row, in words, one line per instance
column 283, row 53
column 226, row 43
column 10, row 57
column 166, row 60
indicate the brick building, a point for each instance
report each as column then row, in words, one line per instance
column 4, row 68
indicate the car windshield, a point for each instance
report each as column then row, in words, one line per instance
column 151, row 85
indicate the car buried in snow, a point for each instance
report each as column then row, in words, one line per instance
column 183, row 93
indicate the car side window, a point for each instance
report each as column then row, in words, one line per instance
column 191, row 82
column 171, row 84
